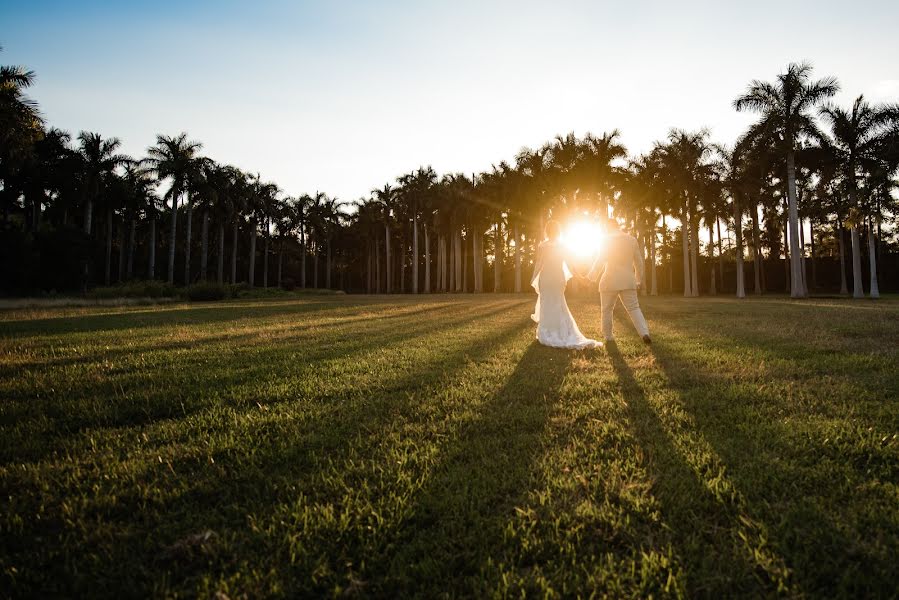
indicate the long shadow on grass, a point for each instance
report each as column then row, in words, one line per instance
column 700, row 524
column 459, row 516
column 262, row 481
column 789, row 488
column 244, row 480
column 168, row 316
column 104, row 403
column 340, row 316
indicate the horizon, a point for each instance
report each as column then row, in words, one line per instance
column 343, row 99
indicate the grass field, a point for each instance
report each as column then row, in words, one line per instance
column 401, row 446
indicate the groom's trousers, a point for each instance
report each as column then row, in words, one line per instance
column 629, row 300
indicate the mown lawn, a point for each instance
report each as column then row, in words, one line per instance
column 400, row 446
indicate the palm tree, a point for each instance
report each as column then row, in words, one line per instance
column 301, row 207
column 140, row 198
column 857, row 137
column 268, row 203
column 212, row 191
column 368, row 218
column 98, row 160
column 175, row 158
column 240, row 190
column 386, row 197
column 685, row 158
column 284, row 222
column 20, row 121
column 786, row 117
column 416, row 188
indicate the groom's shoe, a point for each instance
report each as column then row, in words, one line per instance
column 647, row 340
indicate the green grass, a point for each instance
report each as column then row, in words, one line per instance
column 399, row 446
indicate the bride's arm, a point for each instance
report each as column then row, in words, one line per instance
column 538, row 264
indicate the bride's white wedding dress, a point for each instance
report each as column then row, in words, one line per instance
column 555, row 325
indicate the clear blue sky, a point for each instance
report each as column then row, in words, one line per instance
column 344, row 96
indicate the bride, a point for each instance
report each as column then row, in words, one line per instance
column 555, row 325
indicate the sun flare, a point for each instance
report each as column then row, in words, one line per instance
column 583, row 238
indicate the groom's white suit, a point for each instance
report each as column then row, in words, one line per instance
column 621, row 264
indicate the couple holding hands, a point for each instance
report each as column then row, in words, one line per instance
column 619, row 268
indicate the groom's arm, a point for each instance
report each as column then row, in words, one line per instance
column 596, row 269
column 638, row 263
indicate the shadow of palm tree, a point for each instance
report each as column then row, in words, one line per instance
column 790, row 486
column 701, row 527
column 133, row 398
column 457, row 523
column 286, row 458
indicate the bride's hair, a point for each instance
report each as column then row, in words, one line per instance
column 553, row 230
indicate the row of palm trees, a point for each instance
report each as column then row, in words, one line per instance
column 806, row 165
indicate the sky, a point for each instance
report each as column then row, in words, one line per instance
column 344, row 96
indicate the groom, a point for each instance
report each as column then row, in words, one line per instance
column 621, row 263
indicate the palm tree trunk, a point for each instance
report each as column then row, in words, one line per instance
column 303, row 256
column 857, row 289
column 814, row 260
column 738, row 234
column 451, row 261
column 121, row 269
column 713, row 288
column 132, row 231
column 387, row 257
column 204, row 245
column 265, row 246
column 315, row 251
column 498, row 257
column 151, row 267
column 368, row 270
column 427, row 261
column 377, row 267
column 874, row 290
column 35, row 214
column 720, row 253
column 187, row 240
column 251, row 275
column 234, row 237
column 797, row 285
column 479, row 261
column 517, row 257
column 787, row 271
column 401, row 256
column 802, row 250
column 757, row 251
column 328, row 264
column 654, row 284
column 844, row 289
column 464, row 265
column 694, row 253
column 108, row 264
column 173, row 236
column 221, row 254
column 445, row 264
column 415, row 253
column 88, row 214
column 441, row 262
column 280, row 261
column 685, row 245
column 457, row 259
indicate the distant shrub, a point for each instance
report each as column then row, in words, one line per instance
column 135, row 289
column 288, row 284
column 235, row 290
column 207, row 291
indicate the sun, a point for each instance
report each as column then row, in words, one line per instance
column 583, row 238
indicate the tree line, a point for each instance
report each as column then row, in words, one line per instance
column 806, row 180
